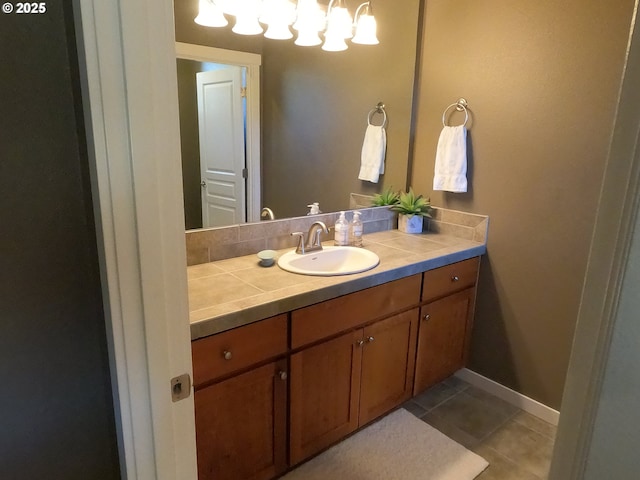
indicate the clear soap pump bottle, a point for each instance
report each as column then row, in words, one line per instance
column 341, row 231
column 356, row 230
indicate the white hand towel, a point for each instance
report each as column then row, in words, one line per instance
column 373, row 152
column 451, row 160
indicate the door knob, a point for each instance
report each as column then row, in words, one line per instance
column 370, row 339
column 455, row 278
column 283, row 375
column 359, row 343
column 227, row 355
column 426, row 317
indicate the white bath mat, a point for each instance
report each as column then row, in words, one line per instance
column 398, row 447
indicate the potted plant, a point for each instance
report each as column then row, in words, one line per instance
column 411, row 211
column 388, row 197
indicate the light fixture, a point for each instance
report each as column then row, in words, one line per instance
column 210, row 15
column 310, row 21
column 365, row 26
column 306, row 17
column 247, row 13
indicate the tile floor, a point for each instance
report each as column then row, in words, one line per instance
column 517, row 445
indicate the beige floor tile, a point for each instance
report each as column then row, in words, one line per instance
column 536, row 424
column 501, row 468
column 450, row 430
column 492, row 400
column 530, row 450
column 434, row 396
column 456, row 383
column 476, row 416
column 413, row 408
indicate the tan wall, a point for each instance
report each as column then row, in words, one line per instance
column 315, row 111
column 541, row 79
column 189, row 142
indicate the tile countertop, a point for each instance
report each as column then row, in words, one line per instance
column 235, row 292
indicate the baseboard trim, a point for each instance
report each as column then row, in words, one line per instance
column 519, row 400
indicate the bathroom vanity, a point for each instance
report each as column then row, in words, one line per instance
column 304, row 365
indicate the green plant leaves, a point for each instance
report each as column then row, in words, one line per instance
column 410, row 204
column 388, row 197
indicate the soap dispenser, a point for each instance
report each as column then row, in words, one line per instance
column 355, row 230
column 314, row 208
column 341, row 231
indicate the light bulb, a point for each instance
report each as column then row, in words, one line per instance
column 366, row 31
column 210, row 15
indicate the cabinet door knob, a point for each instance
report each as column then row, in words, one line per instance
column 455, row 278
column 283, row 375
column 227, row 355
column 370, row 339
column 426, row 317
column 359, row 343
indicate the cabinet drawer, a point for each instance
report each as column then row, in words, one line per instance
column 450, row 278
column 230, row 351
column 328, row 318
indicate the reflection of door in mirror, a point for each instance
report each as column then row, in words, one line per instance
column 218, row 93
column 221, row 108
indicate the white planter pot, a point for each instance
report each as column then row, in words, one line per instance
column 410, row 223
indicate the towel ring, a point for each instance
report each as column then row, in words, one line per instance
column 460, row 105
column 378, row 109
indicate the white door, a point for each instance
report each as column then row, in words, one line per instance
column 222, row 146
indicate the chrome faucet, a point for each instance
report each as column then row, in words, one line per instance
column 267, row 213
column 314, row 241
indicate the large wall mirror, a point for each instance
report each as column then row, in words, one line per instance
column 312, row 111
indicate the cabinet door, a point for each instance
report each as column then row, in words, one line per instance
column 241, row 425
column 388, row 361
column 324, row 394
column 442, row 336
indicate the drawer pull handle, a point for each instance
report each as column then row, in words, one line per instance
column 455, row 278
column 426, row 317
column 283, row 375
column 227, row 355
column 359, row 343
column 370, row 339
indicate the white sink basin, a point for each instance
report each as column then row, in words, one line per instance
column 329, row 261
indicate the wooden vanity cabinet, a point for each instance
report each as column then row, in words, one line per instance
column 241, row 402
column 348, row 380
column 445, row 322
column 325, row 390
column 388, row 363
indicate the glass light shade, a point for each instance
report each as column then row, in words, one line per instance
column 210, row 15
column 309, row 16
column 366, row 31
column 247, row 25
column 278, row 30
column 334, row 42
column 308, row 38
column 277, row 11
column 278, row 15
column 247, row 13
column 339, row 19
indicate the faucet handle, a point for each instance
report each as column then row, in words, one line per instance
column 300, row 247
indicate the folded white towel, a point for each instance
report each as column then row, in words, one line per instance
column 451, row 160
column 373, row 152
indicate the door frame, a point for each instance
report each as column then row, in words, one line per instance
column 129, row 93
column 252, row 62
